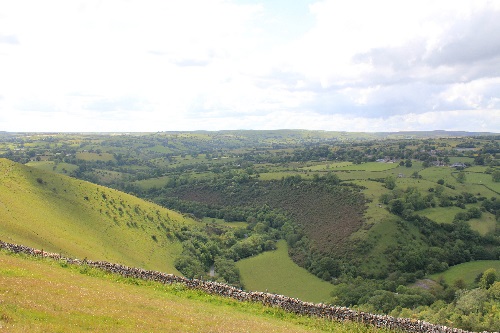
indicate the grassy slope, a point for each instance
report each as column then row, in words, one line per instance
column 61, row 214
column 39, row 295
column 277, row 273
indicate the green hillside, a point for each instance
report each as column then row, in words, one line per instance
column 40, row 295
column 61, row 214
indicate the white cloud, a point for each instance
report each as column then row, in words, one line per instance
column 221, row 64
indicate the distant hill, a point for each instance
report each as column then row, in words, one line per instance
column 431, row 134
column 77, row 218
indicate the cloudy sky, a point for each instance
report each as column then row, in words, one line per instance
column 351, row 65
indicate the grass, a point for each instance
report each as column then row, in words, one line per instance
column 64, row 215
column 467, row 271
column 146, row 184
column 326, row 166
column 384, row 233
column 375, row 212
column 40, row 295
column 435, row 173
column 484, row 225
column 441, row 214
column 238, row 224
column 275, row 272
column 87, row 156
column 482, row 179
column 370, row 166
column 51, row 166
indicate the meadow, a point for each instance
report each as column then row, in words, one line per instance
column 467, row 271
column 51, row 166
column 275, row 272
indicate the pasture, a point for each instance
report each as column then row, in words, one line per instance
column 275, row 272
column 88, row 156
column 467, row 271
column 370, row 166
column 326, row 166
column 51, row 166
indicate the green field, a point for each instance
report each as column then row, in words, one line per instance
column 51, row 166
column 240, row 224
column 326, row 166
column 370, row 166
column 483, row 179
column 87, row 156
column 467, row 271
column 152, row 182
column 40, row 295
column 275, row 272
column 433, row 174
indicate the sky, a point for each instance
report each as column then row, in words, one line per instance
column 335, row 65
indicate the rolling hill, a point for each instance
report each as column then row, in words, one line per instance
column 77, row 218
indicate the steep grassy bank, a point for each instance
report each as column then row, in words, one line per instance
column 61, row 214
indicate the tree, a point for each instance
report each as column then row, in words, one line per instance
column 227, row 270
column 474, row 213
column 332, row 178
column 471, row 301
column 461, row 177
column 494, row 290
column 396, row 206
column 390, row 182
column 496, row 176
column 489, row 277
column 408, row 163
